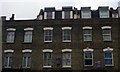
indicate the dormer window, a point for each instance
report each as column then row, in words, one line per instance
column 85, row 12
column 104, row 12
column 67, row 13
column 49, row 13
column 114, row 15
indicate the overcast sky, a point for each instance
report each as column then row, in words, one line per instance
column 29, row 9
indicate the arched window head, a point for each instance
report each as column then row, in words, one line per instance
column 11, row 29
column 106, row 27
column 87, row 27
column 47, row 50
column 9, row 50
column 29, row 28
column 48, row 28
column 63, row 28
column 26, row 50
column 108, row 49
column 67, row 50
column 88, row 49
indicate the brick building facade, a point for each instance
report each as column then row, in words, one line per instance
column 63, row 40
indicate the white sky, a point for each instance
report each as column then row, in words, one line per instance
column 29, row 9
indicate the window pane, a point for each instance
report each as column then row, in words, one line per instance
column 8, row 60
column 26, row 60
column 108, row 58
column 106, row 38
column 108, row 61
column 104, row 14
column 67, row 14
column 106, row 31
column 107, row 35
column 49, row 15
column 87, row 31
column 28, row 36
column 47, row 59
column 88, row 61
column 66, row 59
column 108, row 55
column 88, row 58
column 88, row 55
column 10, row 36
column 87, row 35
column 48, row 35
column 66, row 35
column 86, row 14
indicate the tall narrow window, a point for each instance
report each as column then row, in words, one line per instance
column 106, row 33
column 8, row 58
column 28, row 35
column 108, row 56
column 87, row 33
column 48, row 34
column 88, row 57
column 47, row 58
column 66, row 58
column 10, row 35
column 66, row 34
column 26, row 63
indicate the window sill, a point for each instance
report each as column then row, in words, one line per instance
column 7, row 67
column 47, row 66
column 107, row 40
column 88, row 65
column 87, row 40
column 109, row 65
column 27, row 42
column 47, row 41
column 66, row 41
column 10, row 42
column 26, row 67
column 66, row 66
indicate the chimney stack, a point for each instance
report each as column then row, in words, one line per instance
column 12, row 18
column 3, row 18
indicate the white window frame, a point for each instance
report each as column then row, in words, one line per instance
column 47, row 51
column 88, row 50
column 87, row 28
column 12, row 37
column 86, row 16
column 108, row 49
column 106, row 28
column 48, row 29
column 8, row 60
column 67, row 51
column 28, row 40
column 26, row 60
column 66, row 28
column 104, row 14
